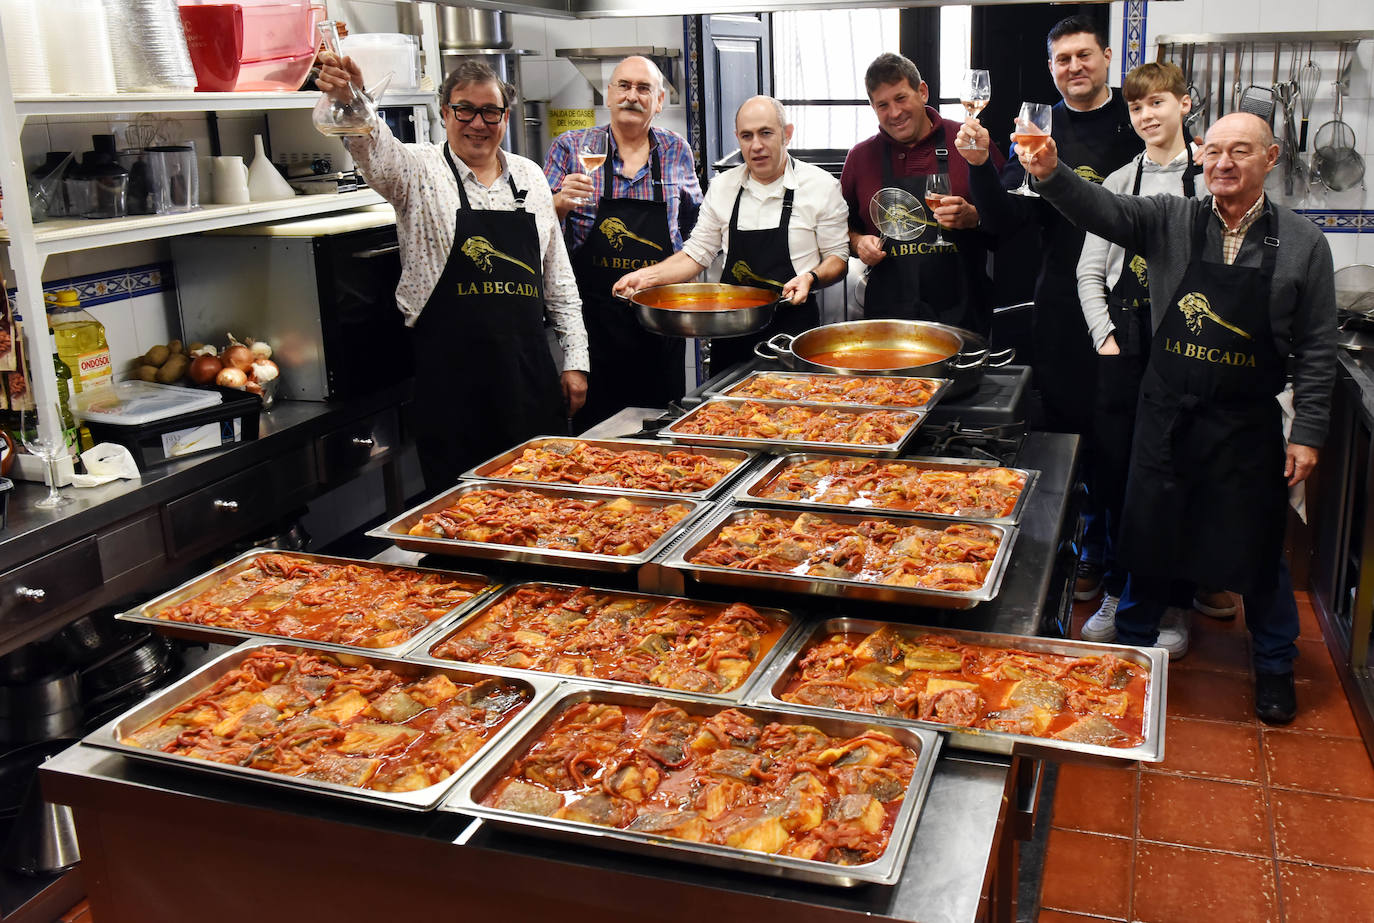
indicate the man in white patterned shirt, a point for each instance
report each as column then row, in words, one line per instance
column 483, row 264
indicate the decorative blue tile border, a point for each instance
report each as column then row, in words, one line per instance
column 1133, row 36
column 1340, row 220
column 112, row 285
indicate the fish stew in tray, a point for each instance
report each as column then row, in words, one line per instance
column 382, row 729
column 754, row 421
column 315, row 599
column 1103, row 699
column 932, row 487
column 877, row 391
column 687, row 645
column 629, row 465
column 759, row 785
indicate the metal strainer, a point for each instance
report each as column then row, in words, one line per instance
column 1334, row 157
column 898, row 215
column 1355, row 289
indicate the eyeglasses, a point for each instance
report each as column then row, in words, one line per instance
column 626, row 87
column 490, row 114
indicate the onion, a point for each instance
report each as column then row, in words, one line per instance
column 260, row 350
column 232, row 378
column 239, row 356
column 264, row 370
column 204, row 369
column 254, row 388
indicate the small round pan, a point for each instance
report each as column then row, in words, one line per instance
column 705, row 309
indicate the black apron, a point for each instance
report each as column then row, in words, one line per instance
column 631, row 367
column 1206, row 496
column 918, row 280
column 484, row 377
column 763, row 259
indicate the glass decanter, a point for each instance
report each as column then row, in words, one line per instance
column 355, row 117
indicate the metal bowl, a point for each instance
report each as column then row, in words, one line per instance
column 704, row 309
column 796, row 352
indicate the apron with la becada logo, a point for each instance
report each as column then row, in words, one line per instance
column 1206, row 494
column 484, row 377
column 918, row 280
column 762, row 258
column 631, row 367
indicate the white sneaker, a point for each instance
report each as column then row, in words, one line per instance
column 1102, row 625
column 1173, row 632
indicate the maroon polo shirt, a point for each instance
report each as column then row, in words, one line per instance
column 863, row 168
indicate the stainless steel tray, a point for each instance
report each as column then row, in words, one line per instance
column 886, row 870
column 776, row 446
column 746, row 488
column 731, row 390
column 739, row 456
column 768, row 691
column 146, row 614
column 398, row 530
column 420, row 653
column 109, row 736
column 705, row 531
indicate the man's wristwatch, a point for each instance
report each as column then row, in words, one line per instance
column 815, row 279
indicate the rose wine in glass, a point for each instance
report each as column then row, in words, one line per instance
column 937, row 187
column 1033, row 125
column 975, row 93
column 592, row 153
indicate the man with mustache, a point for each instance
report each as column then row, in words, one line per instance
column 781, row 222
column 482, row 266
column 634, row 211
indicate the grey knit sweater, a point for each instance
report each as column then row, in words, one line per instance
column 1302, row 297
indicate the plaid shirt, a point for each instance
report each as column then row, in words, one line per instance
column 1232, row 238
column 679, row 182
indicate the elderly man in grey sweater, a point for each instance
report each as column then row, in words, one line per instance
column 1241, row 289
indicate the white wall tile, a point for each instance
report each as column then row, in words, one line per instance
column 1231, row 16
column 1343, row 249
column 569, row 33
column 664, row 31
column 1286, row 16
column 118, row 320
column 532, row 32
column 1364, row 248
column 1344, row 14
column 614, row 33
column 106, row 259
column 534, row 79
column 155, row 318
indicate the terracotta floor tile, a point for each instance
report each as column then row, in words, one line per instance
column 1204, row 813
column 1059, row 916
column 1204, row 694
column 1095, row 799
column 1322, row 707
column 1313, row 763
column 1176, row 885
column 1318, row 895
column 1323, row 830
column 1222, row 651
column 1309, row 629
column 1314, row 663
column 1073, row 859
column 1213, row 749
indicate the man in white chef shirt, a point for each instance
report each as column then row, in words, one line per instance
column 782, row 224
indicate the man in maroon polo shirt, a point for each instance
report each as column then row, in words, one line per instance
column 916, row 279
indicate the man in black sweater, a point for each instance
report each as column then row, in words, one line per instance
column 1092, row 129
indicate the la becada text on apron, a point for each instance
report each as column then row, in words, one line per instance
column 1206, row 496
column 485, row 379
column 631, row 367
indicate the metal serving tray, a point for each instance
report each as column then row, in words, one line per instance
column 886, row 870
column 146, row 614
column 776, row 446
column 110, row 735
column 705, row 531
column 768, row 691
column 742, row 459
column 420, row 653
column 398, row 530
column 746, row 490
column 730, row 391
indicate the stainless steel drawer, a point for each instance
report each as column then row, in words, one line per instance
column 46, row 585
column 224, row 511
column 344, row 453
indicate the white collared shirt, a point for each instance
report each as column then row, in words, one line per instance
column 820, row 219
column 417, row 181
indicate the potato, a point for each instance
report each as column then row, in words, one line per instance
column 147, row 373
column 195, row 345
column 175, row 346
column 157, row 356
column 174, row 369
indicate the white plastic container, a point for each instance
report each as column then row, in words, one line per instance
column 380, row 53
column 135, row 402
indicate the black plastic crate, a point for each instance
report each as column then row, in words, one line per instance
column 235, row 419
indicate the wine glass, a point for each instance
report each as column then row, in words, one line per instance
column 591, row 151
column 51, row 447
column 1033, row 125
column 975, row 92
column 937, row 187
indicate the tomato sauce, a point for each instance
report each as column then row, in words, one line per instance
column 876, row 357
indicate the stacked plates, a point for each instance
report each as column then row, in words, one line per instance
column 78, row 46
column 27, row 58
column 150, row 55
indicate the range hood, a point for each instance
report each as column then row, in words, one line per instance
column 606, row 9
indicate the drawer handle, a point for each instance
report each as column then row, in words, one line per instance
column 229, row 506
column 364, row 441
column 31, row 594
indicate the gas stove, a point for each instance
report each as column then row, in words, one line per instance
column 998, row 443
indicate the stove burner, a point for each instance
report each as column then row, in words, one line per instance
column 997, row 443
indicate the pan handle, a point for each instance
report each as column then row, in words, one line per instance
column 970, row 361
column 1000, row 358
column 778, row 344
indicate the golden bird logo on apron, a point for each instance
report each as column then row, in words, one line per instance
column 1089, row 174
column 742, row 273
column 616, row 232
column 1140, row 269
column 480, row 251
column 1195, row 308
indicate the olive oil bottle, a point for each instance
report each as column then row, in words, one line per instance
column 81, row 344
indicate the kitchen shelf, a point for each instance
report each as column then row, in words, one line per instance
column 188, row 102
column 70, row 234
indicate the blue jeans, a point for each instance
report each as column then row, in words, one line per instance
column 1270, row 615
